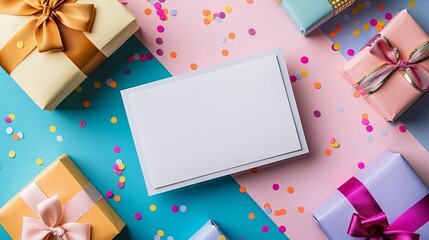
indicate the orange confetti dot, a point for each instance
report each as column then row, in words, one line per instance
column 231, row 35
column 165, row 10
column 332, row 34
column 194, row 66
column 206, row 21
column 277, row 213
column 113, row 84
column 328, row 152
column 243, row 189
column 267, row 205
column 290, row 189
column 339, row 28
column 225, row 52
column 97, row 84
column 249, row 1
column 356, row 94
column 117, row 198
column 365, row 115
column 300, row 209
column 355, row 11
column 173, row 54
column 380, row 7
column 254, row 170
column 317, row 85
column 86, row 104
column 283, row 211
column 78, row 89
column 378, row 28
column 147, row 11
column 251, row 216
column 206, row 12
column 15, row 137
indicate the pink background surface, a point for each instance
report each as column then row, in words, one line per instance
column 316, row 175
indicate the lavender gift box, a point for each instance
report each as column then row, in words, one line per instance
column 394, row 186
column 210, row 231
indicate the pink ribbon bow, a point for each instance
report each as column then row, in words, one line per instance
column 50, row 225
column 375, row 228
column 415, row 74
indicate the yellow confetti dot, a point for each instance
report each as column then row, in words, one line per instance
column 381, row 23
column 12, row 154
column 210, row 17
column 121, row 166
column 97, row 84
column 301, row 209
column 360, row 5
column 221, row 237
column 251, row 216
column 160, row 233
column 52, row 129
column 152, row 208
column 12, row 116
column 228, row 9
column 122, row 179
column 20, row 44
column 356, row 32
column 355, row 11
column 304, row 73
column 113, row 120
column 39, row 161
column 412, row 3
column 117, row 198
column 78, row 89
column 365, row 27
column 335, row 144
column 290, row 189
column 337, row 46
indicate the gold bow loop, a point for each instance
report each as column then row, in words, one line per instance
column 49, row 14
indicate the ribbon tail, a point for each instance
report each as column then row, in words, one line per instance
column 77, row 16
column 18, row 7
column 401, row 235
column 417, row 76
column 79, row 231
column 420, row 54
column 33, row 229
column 48, row 36
column 375, row 79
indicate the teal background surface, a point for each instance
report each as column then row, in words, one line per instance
column 91, row 148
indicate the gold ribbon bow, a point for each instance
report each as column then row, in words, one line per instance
column 58, row 26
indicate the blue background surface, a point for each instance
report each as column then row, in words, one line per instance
column 91, row 148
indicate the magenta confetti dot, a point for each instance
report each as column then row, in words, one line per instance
column 160, row 28
column 175, row 208
column 130, row 59
column 159, row 41
column 317, row 113
column 373, row 22
column 369, row 128
column 365, row 121
column 265, row 229
column 149, row 56
column 251, row 31
column 142, row 57
column 157, row 5
column 388, row 16
column 402, row 129
column 161, row 1
column 121, row 185
column 124, row 1
column 127, row 71
column 304, row 59
column 115, row 167
column 116, row 149
column 119, row 172
column 222, row 15
column 138, row 216
column 351, row 52
column 8, row 119
column 216, row 15
column 109, row 194
column 160, row 12
column 163, row 17
column 159, row 52
column 282, row 229
column 276, row 187
column 82, row 124
column 361, row 165
column 293, row 78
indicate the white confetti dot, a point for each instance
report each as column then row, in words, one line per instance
column 9, row 130
column 60, row 138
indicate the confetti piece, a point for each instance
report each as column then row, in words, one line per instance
column 9, row 131
column 116, row 149
column 340, row 108
column 147, row 11
column 138, row 216
column 114, row 120
column 304, row 59
column 221, row 237
column 159, row 41
column 350, row 52
column 301, row 209
column 228, row 9
column 242, row 189
column 331, row 140
column 293, row 78
column 317, row 85
column 328, row 152
column 152, row 208
column 276, row 187
column 173, row 12
column 231, row 35
column 86, row 104
column 117, row 198
column 268, row 210
column 120, row 185
column 384, row 133
column 8, row 119
column 225, row 52
column 335, row 144
column 361, row 165
column 39, row 161
column 183, row 208
column 254, row 170
column 82, row 124
column 109, row 194
column 60, row 138
column 160, row 28
column 160, row 233
column 194, row 66
column 282, row 229
column 317, row 114
column 402, row 129
column 175, row 208
column 290, row 189
column 265, row 228
column 369, row 128
column 52, row 129
column 222, row 39
column 365, row 121
column 12, row 154
column 368, row 138
column 251, row 31
column 122, row 179
column 251, row 216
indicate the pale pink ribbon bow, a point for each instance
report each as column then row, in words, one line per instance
column 51, row 212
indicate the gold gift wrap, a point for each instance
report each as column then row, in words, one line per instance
column 48, row 77
column 64, row 179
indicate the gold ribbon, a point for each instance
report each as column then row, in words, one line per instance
column 58, row 26
column 340, row 5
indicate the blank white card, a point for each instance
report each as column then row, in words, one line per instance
column 214, row 122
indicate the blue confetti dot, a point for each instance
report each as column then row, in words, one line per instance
column 368, row 138
column 298, row 76
column 173, row 12
column 222, row 39
column 218, row 19
column 393, row 123
column 384, row 133
column 268, row 210
column 340, row 108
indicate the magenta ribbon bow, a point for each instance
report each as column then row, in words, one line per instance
column 51, row 212
column 370, row 222
column 415, row 74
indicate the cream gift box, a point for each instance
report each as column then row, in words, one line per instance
column 49, row 77
column 214, row 122
column 209, row 231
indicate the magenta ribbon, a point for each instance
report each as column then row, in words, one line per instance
column 370, row 222
column 415, row 74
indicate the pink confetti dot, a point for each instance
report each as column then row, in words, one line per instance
column 388, row 16
column 163, row 17
column 130, row 59
column 331, row 140
column 121, row 185
column 317, row 114
column 293, row 78
column 160, row 28
column 82, row 124
column 402, row 129
column 8, row 119
column 373, row 22
column 119, row 172
column 251, row 31
column 369, row 128
column 175, row 208
column 351, row 52
column 282, row 229
column 304, row 59
column 124, row 1
column 142, row 57
column 117, row 149
column 265, row 229
column 115, row 167
column 222, row 15
column 138, row 216
column 149, row 56
column 157, row 5
column 276, row 187
column 159, row 52
column 361, row 165
column 159, row 41
column 160, row 12
column 365, row 121
column 109, row 194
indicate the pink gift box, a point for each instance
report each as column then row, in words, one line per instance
column 396, row 94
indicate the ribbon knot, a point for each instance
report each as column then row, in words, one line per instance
column 414, row 74
column 58, row 231
column 47, row 10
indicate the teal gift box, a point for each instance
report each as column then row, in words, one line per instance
column 308, row 15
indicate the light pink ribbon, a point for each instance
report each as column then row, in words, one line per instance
column 415, row 74
column 57, row 221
